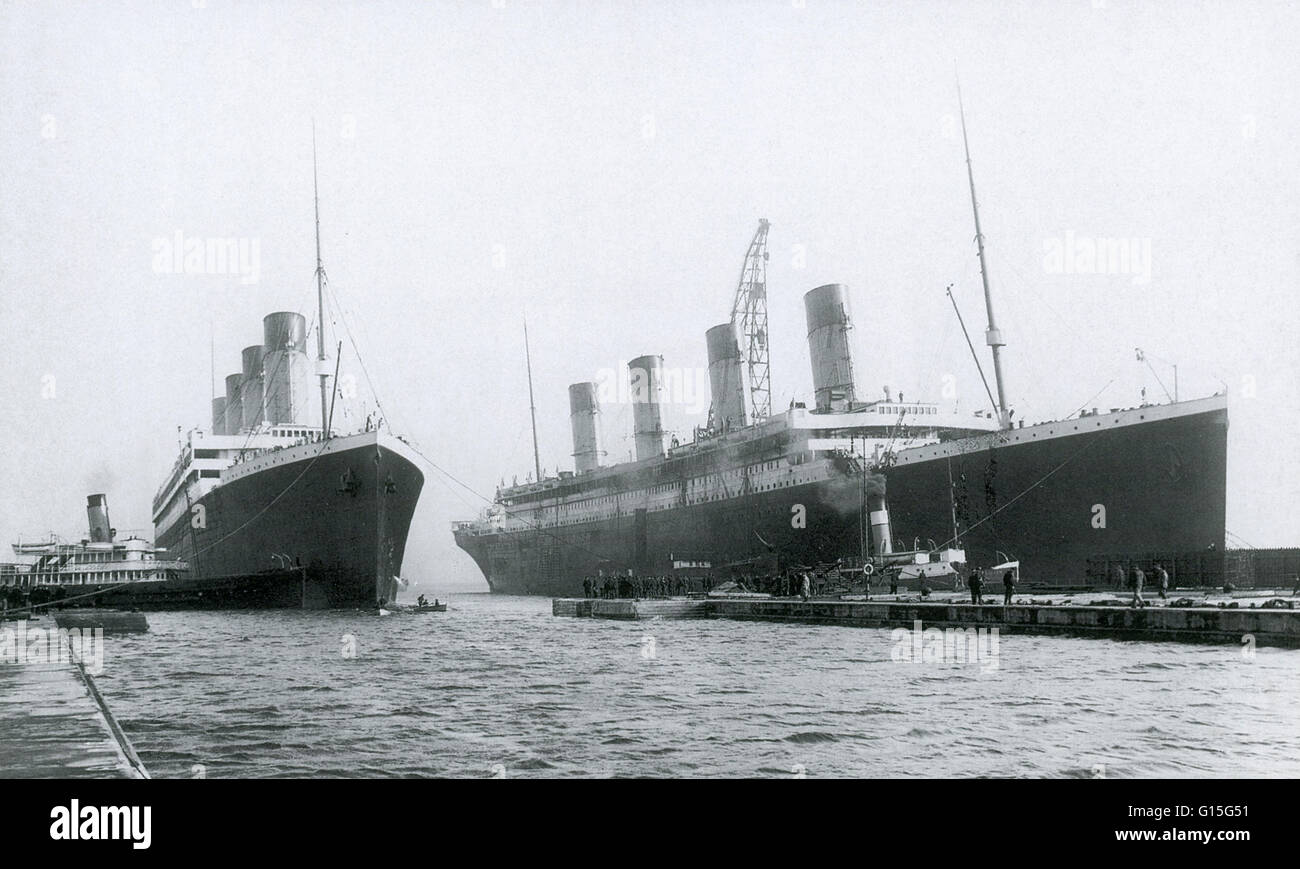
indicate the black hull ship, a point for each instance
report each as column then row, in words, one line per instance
column 319, row 523
column 272, row 511
column 263, row 508
column 1057, row 497
column 850, row 482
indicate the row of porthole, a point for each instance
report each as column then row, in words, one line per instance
column 251, row 468
column 658, row 507
column 731, row 473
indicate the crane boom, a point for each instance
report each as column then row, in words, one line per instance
column 749, row 318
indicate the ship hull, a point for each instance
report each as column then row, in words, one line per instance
column 316, row 526
column 275, row 589
column 1053, row 498
column 1154, row 489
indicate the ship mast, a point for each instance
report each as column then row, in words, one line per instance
column 993, row 336
column 532, row 409
column 320, row 296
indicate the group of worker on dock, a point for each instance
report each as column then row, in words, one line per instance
column 637, row 586
column 1127, row 581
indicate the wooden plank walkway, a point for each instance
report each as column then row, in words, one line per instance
column 55, row 724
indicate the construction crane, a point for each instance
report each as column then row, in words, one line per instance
column 749, row 319
column 749, row 324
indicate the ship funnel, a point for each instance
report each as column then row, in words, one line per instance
column 881, row 533
column 286, row 381
column 726, row 381
column 828, row 345
column 646, row 376
column 252, row 358
column 219, row 415
column 583, row 408
column 251, row 393
column 97, row 511
column 234, row 403
column 284, row 330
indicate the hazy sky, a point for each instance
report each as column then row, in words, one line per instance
column 600, row 167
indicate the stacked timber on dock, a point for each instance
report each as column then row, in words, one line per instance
column 1262, row 627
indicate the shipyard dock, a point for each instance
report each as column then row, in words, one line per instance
column 1232, row 624
column 54, row 723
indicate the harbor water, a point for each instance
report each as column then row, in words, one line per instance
column 498, row 687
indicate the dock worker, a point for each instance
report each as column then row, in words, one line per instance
column 1008, row 586
column 976, row 584
column 1137, row 579
column 1162, row 580
column 805, row 587
column 1118, row 575
column 893, row 582
column 925, row 585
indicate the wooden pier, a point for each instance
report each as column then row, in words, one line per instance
column 53, row 721
column 1202, row 624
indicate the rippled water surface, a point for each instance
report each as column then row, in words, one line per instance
column 498, row 686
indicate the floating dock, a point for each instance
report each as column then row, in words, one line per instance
column 1203, row 624
column 53, row 721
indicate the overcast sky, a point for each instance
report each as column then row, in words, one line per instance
column 600, row 168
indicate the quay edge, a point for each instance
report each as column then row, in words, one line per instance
column 1206, row 625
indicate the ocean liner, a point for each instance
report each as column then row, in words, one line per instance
column 849, row 480
column 270, row 510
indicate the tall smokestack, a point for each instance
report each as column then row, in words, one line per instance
column 828, row 345
column 881, row 534
column 97, row 511
column 583, row 408
column 250, row 396
column 286, row 382
column 646, row 377
column 234, row 403
column 726, row 381
column 219, row 415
